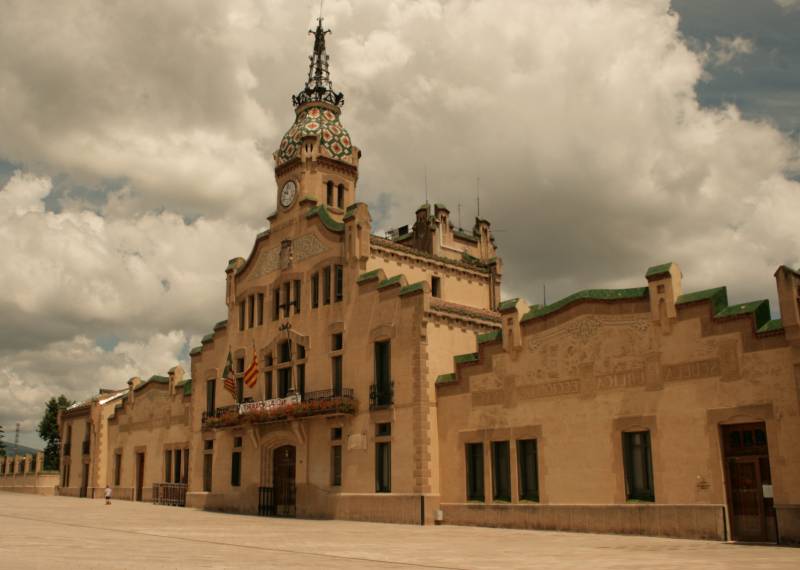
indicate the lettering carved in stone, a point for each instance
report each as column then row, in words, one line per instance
column 691, row 370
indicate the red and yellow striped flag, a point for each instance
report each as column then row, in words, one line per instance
column 251, row 374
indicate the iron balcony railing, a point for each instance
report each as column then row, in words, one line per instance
column 220, row 412
column 381, row 395
column 173, row 494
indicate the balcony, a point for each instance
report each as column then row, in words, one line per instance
column 381, row 396
column 295, row 406
column 67, row 449
column 86, row 447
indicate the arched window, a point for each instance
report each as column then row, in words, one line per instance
column 340, row 197
column 330, row 193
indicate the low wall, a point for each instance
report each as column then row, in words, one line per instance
column 677, row 521
column 32, row 483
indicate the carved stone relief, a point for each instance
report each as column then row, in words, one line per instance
column 290, row 251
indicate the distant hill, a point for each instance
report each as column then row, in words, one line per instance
column 19, row 450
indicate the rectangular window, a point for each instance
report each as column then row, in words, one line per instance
column 239, row 389
column 336, row 465
column 251, row 311
column 336, row 373
column 528, row 470
column 276, row 303
column 208, row 463
column 260, row 308
column 336, row 434
column 475, row 490
column 241, row 316
column 315, row 290
column 383, row 368
column 176, row 463
column 337, row 341
column 168, row 466
column 638, row 466
column 501, row 471
column 236, row 468
column 285, row 351
column 436, row 286
column 301, row 379
column 338, row 283
column 286, row 299
column 211, row 394
column 297, row 295
column 383, row 467
column 383, row 429
column 268, row 385
column 117, row 468
column 326, row 286
column 284, row 381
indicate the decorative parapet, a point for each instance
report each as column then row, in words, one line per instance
column 418, row 287
column 207, row 338
column 444, row 379
column 374, row 275
column 508, row 305
column 395, row 281
column 491, row 318
column 490, row 336
column 466, row 358
column 601, row 295
column 380, row 242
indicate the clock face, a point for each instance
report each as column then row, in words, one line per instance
column 288, row 192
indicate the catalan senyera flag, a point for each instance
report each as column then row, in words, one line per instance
column 251, row 374
column 227, row 375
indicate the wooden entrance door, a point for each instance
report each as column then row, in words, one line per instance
column 139, row 475
column 749, row 483
column 283, row 481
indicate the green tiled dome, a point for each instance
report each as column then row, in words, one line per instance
column 317, row 121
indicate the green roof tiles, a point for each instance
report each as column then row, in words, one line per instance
column 718, row 297
column 187, row 387
column 208, row 338
column 588, row 295
column 221, row 325
column 396, row 280
column 508, row 304
column 196, row 350
column 759, row 310
column 490, row 336
column 445, row 379
column 369, row 276
column 466, row 358
column 412, row 288
column 325, row 217
column 658, row 269
column 770, row 326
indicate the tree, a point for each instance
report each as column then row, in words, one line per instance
column 48, row 431
column 2, row 443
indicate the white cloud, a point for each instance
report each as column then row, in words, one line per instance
column 788, row 4
column 725, row 49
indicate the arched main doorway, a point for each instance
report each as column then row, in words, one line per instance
column 283, row 481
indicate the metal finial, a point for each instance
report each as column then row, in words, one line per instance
column 318, row 86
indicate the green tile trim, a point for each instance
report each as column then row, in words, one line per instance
column 221, row 325
column 396, row 280
column 508, row 304
column 718, row 297
column 369, row 276
column 196, row 350
column 771, row 326
column 465, row 358
column 187, row 387
column 758, row 309
column 326, row 218
column 490, row 336
column 445, row 379
column 208, row 338
column 658, row 269
column 413, row 288
column 588, row 295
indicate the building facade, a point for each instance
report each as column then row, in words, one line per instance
column 383, row 378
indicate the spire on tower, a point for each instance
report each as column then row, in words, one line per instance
column 318, row 86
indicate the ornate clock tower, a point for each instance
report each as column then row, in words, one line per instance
column 316, row 162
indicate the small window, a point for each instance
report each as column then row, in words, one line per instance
column 211, row 390
column 251, row 306
column 340, row 196
column 336, row 465
column 336, row 341
column 208, row 444
column 383, row 429
column 528, row 470
column 336, row 375
column 285, row 352
column 240, row 364
column 436, row 286
column 268, row 361
column 501, row 471
column 336, row 434
column 475, row 490
column 315, row 291
column 236, row 468
column 241, row 316
column 329, row 194
column 276, row 303
column 326, row 286
column 237, row 442
column 339, row 283
column 261, row 308
column 284, row 381
column 383, row 467
column 208, row 463
column 297, row 295
column 301, row 352
column 268, row 385
column 286, row 303
column 239, row 389
column 117, row 468
column 638, row 466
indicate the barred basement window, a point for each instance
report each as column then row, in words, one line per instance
column 501, row 471
column 528, row 470
column 638, row 466
column 336, row 465
column 474, row 455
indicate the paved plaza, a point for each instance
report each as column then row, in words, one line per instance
column 62, row 532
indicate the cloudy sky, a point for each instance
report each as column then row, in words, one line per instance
column 608, row 136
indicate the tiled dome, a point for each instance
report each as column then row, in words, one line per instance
column 316, row 121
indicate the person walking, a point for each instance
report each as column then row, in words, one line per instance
column 108, row 494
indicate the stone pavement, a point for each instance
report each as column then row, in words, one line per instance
column 58, row 532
